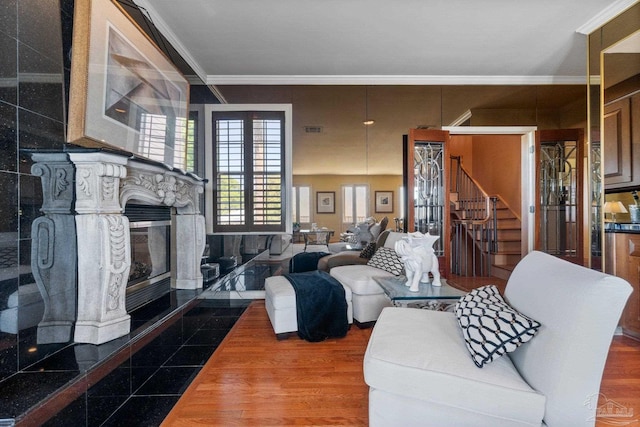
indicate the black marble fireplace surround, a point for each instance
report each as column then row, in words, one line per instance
column 134, row 380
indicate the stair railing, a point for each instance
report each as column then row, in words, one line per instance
column 474, row 221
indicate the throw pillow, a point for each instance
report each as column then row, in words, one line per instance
column 387, row 259
column 490, row 326
column 368, row 251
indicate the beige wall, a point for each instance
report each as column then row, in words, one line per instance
column 335, row 183
column 347, row 147
column 494, row 162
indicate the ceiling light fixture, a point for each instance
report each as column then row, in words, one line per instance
column 367, row 121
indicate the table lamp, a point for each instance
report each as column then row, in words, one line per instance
column 614, row 208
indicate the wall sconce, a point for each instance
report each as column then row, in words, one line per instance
column 614, row 208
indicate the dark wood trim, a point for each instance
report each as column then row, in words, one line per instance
column 624, row 89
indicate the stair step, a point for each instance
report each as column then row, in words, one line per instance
column 503, row 271
column 507, row 258
column 509, row 246
column 509, row 223
column 505, row 214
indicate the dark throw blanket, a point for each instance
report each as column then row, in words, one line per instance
column 305, row 261
column 321, row 306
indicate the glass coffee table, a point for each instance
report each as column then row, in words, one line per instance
column 428, row 296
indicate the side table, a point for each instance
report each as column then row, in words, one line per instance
column 320, row 236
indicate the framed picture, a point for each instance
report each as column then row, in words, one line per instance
column 384, row 201
column 125, row 94
column 326, row 202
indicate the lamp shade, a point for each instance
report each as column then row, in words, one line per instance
column 614, row 207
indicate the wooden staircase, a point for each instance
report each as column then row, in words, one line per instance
column 486, row 237
column 508, row 251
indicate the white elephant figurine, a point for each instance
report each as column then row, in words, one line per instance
column 419, row 258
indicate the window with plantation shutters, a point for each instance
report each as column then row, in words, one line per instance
column 248, row 171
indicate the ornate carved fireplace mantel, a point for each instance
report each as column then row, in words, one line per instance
column 104, row 183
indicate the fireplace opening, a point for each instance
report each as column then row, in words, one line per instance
column 150, row 272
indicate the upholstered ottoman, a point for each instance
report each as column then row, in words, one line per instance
column 280, row 300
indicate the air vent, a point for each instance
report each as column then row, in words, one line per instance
column 313, row 129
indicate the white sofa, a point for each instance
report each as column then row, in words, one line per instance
column 367, row 296
column 420, row 372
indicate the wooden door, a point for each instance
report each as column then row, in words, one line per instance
column 426, row 180
column 559, row 193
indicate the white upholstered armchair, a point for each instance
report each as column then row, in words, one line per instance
column 420, row 372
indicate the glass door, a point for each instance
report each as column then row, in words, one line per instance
column 559, row 218
column 427, row 193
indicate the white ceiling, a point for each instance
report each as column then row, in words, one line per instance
column 382, row 41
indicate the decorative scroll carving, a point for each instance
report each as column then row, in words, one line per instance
column 169, row 189
column 54, row 170
column 82, row 182
column 109, row 189
column 61, row 182
column 118, row 258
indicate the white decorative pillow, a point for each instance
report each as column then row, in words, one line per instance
column 387, row 259
column 490, row 326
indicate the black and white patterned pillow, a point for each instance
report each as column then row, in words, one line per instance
column 368, row 250
column 387, row 259
column 490, row 326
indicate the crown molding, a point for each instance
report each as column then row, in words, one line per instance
column 216, row 92
column 463, row 118
column 606, row 15
column 171, row 37
column 391, row 80
column 196, row 81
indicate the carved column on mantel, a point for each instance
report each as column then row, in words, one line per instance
column 104, row 249
column 53, row 248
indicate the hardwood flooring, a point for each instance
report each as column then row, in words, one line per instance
column 254, row 380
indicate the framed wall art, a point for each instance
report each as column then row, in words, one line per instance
column 384, row 201
column 326, row 202
column 125, row 93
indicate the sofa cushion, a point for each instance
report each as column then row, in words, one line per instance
column 421, row 354
column 360, row 278
column 391, row 238
column 387, row 259
column 368, row 250
column 490, row 326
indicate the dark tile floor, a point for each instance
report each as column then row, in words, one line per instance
column 141, row 383
column 143, row 389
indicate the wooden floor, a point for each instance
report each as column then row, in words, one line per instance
column 253, row 379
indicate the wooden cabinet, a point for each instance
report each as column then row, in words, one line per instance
column 621, row 148
column 623, row 260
